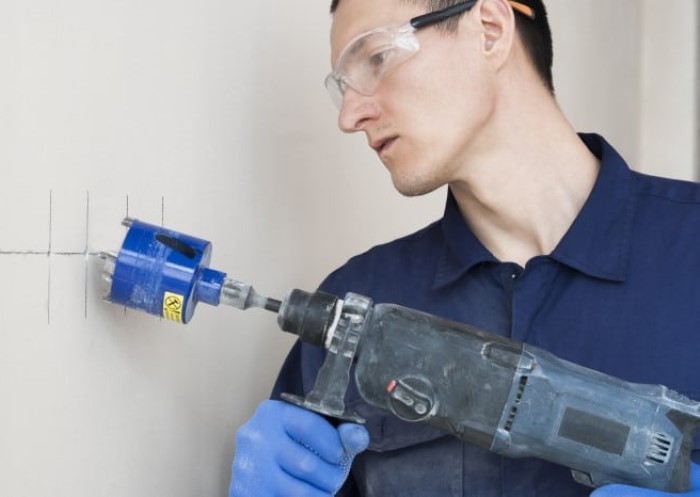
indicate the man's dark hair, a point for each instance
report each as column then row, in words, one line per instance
column 535, row 34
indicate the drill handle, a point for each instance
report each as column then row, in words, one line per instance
column 323, row 320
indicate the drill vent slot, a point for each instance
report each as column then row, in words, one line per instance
column 660, row 448
column 516, row 402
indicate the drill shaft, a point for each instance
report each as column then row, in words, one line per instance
column 243, row 296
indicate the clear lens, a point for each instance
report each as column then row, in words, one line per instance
column 333, row 85
column 366, row 59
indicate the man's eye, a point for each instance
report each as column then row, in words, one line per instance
column 378, row 59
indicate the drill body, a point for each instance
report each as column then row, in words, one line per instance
column 511, row 398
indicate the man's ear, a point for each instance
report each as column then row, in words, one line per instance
column 498, row 29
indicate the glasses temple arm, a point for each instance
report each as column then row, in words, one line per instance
column 443, row 14
column 440, row 15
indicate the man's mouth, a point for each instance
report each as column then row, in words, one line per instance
column 383, row 144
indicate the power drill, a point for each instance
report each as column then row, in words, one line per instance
column 500, row 394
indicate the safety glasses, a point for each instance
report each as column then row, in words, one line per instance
column 369, row 56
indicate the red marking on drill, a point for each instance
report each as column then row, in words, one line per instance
column 390, row 386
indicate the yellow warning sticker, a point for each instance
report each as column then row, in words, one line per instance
column 172, row 306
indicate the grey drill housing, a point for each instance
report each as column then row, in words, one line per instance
column 502, row 395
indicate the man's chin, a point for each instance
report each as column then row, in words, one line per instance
column 411, row 187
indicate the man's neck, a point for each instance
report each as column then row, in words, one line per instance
column 520, row 196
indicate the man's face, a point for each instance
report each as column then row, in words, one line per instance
column 426, row 113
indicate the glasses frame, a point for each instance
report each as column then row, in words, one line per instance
column 336, row 82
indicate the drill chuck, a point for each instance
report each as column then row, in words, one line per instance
column 311, row 316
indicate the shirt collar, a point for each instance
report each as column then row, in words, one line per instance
column 596, row 244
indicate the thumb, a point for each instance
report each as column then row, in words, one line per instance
column 627, row 491
column 694, row 476
column 354, row 437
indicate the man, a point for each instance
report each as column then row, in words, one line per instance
column 548, row 237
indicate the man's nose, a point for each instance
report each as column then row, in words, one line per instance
column 356, row 110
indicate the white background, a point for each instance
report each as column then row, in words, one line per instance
column 210, row 117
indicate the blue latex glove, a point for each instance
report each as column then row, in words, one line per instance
column 627, row 491
column 286, row 451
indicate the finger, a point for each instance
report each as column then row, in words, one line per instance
column 313, row 431
column 694, row 476
column 354, row 437
column 275, row 484
column 291, row 487
column 627, row 491
column 303, row 464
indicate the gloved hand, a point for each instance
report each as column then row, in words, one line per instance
column 284, row 450
column 627, row 491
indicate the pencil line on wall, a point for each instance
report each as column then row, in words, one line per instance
column 25, row 252
column 50, row 252
column 45, row 253
column 48, row 256
column 87, row 252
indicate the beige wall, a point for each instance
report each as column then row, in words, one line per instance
column 629, row 69
column 212, row 118
column 669, row 131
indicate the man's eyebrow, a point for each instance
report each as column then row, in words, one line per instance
column 357, row 45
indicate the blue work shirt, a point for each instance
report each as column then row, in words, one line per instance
column 618, row 294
